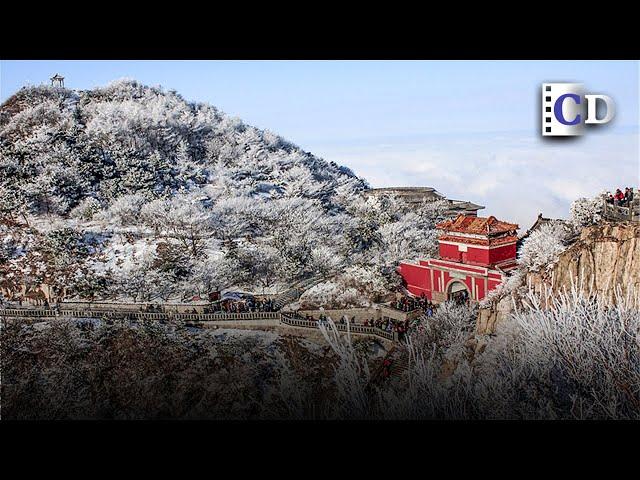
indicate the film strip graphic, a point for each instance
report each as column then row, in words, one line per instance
column 563, row 109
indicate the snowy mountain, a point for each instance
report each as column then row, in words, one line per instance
column 131, row 191
column 61, row 147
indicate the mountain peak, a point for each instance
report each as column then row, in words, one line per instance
column 128, row 138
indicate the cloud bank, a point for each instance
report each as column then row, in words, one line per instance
column 515, row 176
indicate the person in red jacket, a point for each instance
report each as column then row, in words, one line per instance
column 619, row 197
column 386, row 368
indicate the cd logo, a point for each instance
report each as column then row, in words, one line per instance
column 566, row 109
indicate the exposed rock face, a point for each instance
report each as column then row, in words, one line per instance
column 490, row 317
column 605, row 259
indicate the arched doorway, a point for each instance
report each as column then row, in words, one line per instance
column 458, row 292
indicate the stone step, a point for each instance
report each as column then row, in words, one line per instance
column 399, row 367
column 294, row 293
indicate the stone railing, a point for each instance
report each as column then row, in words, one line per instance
column 401, row 315
column 195, row 318
column 619, row 213
column 142, row 307
column 353, row 328
column 27, row 312
column 209, row 317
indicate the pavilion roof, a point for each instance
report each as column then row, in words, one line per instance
column 477, row 225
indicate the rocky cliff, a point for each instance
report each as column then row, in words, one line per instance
column 490, row 317
column 604, row 261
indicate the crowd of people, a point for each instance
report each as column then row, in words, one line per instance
column 249, row 305
column 408, row 304
column 225, row 306
column 620, row 198
column 401, row 327
column 390, row 325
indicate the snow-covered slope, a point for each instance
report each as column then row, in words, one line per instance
column 127, row 138
column 133, row 191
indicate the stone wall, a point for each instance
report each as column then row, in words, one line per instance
column 378, row 312
column 242, row 324
column 133, row 307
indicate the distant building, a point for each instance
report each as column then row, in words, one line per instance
column 475, row 254
column 540, row 221
column 57, row 81
column 416, row 195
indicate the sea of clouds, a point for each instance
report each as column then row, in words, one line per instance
column 515, row 176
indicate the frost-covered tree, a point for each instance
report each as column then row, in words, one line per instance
column 135, row 279
column 582, row 354
column 238, row 216
column 214, row 274
column 125, row 210
column 86, row 209
column 543, row 246
column 58, row 259
column 160, row 166
column 299, row 181
column 188, row 173
column 182, row 217
column 586, row 211
column 325, row 260
column 261, row 265
column 351, row 375
column 11, row 207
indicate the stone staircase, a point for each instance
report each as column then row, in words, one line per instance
column 295, row 292
column 399, row 358
column 399, row 365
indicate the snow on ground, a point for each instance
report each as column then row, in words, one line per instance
column 275, row 289
column 212, row 249
column 46, row 223
column 123, row 256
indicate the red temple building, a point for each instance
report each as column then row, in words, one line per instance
column 475, row 254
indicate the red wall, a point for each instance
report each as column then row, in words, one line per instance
column 473, row 255
column 459, row 266
column 468, row 282
column 436, row 283
column 417, row 278
column 476, row 256
column 480, row 287
column 450, row 252
column 506, row 252
column 492, row 284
